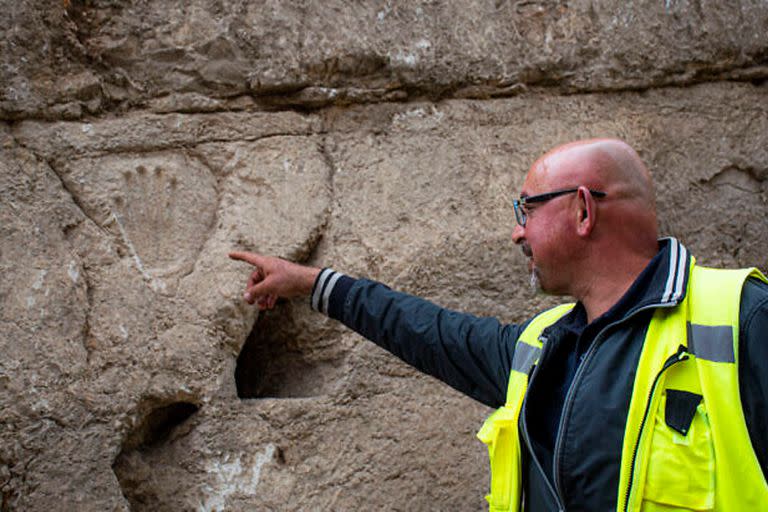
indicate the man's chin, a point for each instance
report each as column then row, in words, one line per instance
column 538, row 286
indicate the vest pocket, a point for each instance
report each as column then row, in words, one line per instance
column 681, row 468
column 501, row 435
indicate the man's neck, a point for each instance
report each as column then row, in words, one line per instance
column 606, row 287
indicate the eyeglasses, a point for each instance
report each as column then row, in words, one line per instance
column 519, row 204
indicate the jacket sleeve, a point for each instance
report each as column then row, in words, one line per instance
column 469, row 353
column 753, row 366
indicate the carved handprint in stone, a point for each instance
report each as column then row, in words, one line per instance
column 159, row 209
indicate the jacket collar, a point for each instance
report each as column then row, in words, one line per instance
column 664, row 281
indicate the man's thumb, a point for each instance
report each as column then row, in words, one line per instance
column 259, row 289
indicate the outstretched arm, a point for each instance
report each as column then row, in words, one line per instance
column 471, row 354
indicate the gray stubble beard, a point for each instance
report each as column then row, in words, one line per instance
column 535, row 281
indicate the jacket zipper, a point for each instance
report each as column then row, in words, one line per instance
column 568, row 400
column 566, row 410
column 680, row 355
column 524, row 431
column 574, row 382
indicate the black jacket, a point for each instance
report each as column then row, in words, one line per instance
column 574, row 415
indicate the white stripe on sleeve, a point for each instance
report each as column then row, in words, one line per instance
column 328, row 289
column 321, row 280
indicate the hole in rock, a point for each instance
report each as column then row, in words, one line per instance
column 280, row 359
column 159, row 423
column 134, row 467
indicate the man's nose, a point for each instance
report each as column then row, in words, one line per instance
column 518, row 234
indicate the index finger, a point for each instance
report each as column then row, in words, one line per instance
column 248, row 257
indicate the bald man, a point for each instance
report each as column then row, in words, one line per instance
column 648, row 393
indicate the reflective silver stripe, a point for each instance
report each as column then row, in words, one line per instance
column 682, row 260
column 327, row 294
column 672, row 266
column 319, row 288
column 711, row 342
column 525, row 356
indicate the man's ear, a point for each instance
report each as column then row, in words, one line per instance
column 586, row 213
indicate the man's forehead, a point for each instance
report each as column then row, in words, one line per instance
column 537, row 179
column 561, row 167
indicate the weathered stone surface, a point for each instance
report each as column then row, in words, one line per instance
column 137, row 240
column 150, row 138
column 341, row 453
column 44, row 70
column 48, row 432
column 149, row 132
column 143, row 201
column 96, row 56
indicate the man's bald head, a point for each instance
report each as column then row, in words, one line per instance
column 605, row 164
column 573, row 239
column 609, row 165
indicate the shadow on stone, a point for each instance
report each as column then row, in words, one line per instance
column 276, row 363
column 133, row 466
column 159, row 423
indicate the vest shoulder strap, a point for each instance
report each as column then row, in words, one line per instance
column 528, row 347
column 531, row 333
column 713, row 311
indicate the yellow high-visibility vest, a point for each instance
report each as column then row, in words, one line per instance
column 691, row 348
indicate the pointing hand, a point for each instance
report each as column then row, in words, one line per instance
column 275, row 277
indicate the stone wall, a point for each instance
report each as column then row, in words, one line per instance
column 141, row 141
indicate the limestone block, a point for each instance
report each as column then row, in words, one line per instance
column 279, row 47
column 150, row 132
column 72, row 59
column 131, row 349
